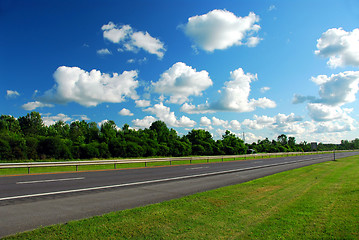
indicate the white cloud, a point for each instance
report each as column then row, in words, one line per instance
column 33, row 105
column 181, row 81
column 116, row 34
column 144, row 123
column 51, row 120
column 338, row 89
column 125, row 112
column 164, row 114
column 280, row 123
column 142, row 103
column 132, row 40
column 91, row 88
column 192, row 109
column 321, row 112
column 264, row 89
column 341, row 47
column 12, row 94
column 219, row 122
column 234, row 96
column 253, row 41
column 334, row 91
column 81, row 117
column 104, row 51
column 148, row 43
column 205, row 121
column 221, row 29
column 186, row 122
column 234, row 124
column 332, row 126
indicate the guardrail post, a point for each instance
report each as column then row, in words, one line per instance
column 77, row 168
column 145, row 164
column 207, row 160
column 190, row 161
column 115, row 165
column 222, row 158
column 170, row 162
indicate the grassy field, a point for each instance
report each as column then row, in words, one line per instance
column 315, row 202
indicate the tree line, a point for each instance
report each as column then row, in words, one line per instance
column 28, row 138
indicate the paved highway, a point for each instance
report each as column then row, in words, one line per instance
column 30, row 201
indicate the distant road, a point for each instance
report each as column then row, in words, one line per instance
column 30, row 201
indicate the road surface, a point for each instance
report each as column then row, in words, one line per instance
column 30, row 201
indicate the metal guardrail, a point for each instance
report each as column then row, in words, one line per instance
column 30, row 165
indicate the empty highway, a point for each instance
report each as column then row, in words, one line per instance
column 30, row 201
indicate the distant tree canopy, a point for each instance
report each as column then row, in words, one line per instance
column 27, row 138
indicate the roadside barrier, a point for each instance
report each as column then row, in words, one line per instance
column 145, row 161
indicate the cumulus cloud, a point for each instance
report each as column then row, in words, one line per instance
column 51, row 120
column 334, row 91
column 280, row 123
column 337, row 89
column 181, row 81
column 33, row 105
column 164, row 114
column 205, row 121
column 145, row 122
column 234, row 96
column 91, row 88
column 322, row 112
column 142, row 103
column 12, row 94
column 219, row 122
column 234, row 124
column 341, row 47
column 221, row 29
column 193, row 109
column 132, row 40
column 125, row 112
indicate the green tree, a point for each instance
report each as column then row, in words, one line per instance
column 232, row 144
column 32, row 124
column 161, row 130
column 108, row 131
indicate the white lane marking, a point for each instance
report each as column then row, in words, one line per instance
column 194, row 168
column 147, row 182
column 52, row 180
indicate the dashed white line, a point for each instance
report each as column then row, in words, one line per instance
column 52, row 180
column 149, row 181
column 194, row 168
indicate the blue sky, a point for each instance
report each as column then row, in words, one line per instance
column 260, row 67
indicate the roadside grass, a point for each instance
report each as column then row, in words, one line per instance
column 35, row 170
column 315, row 202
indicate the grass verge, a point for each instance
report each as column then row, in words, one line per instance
column 315, row 202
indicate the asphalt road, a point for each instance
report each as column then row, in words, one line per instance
column 30, row 201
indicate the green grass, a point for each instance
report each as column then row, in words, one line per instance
column 315, row 202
